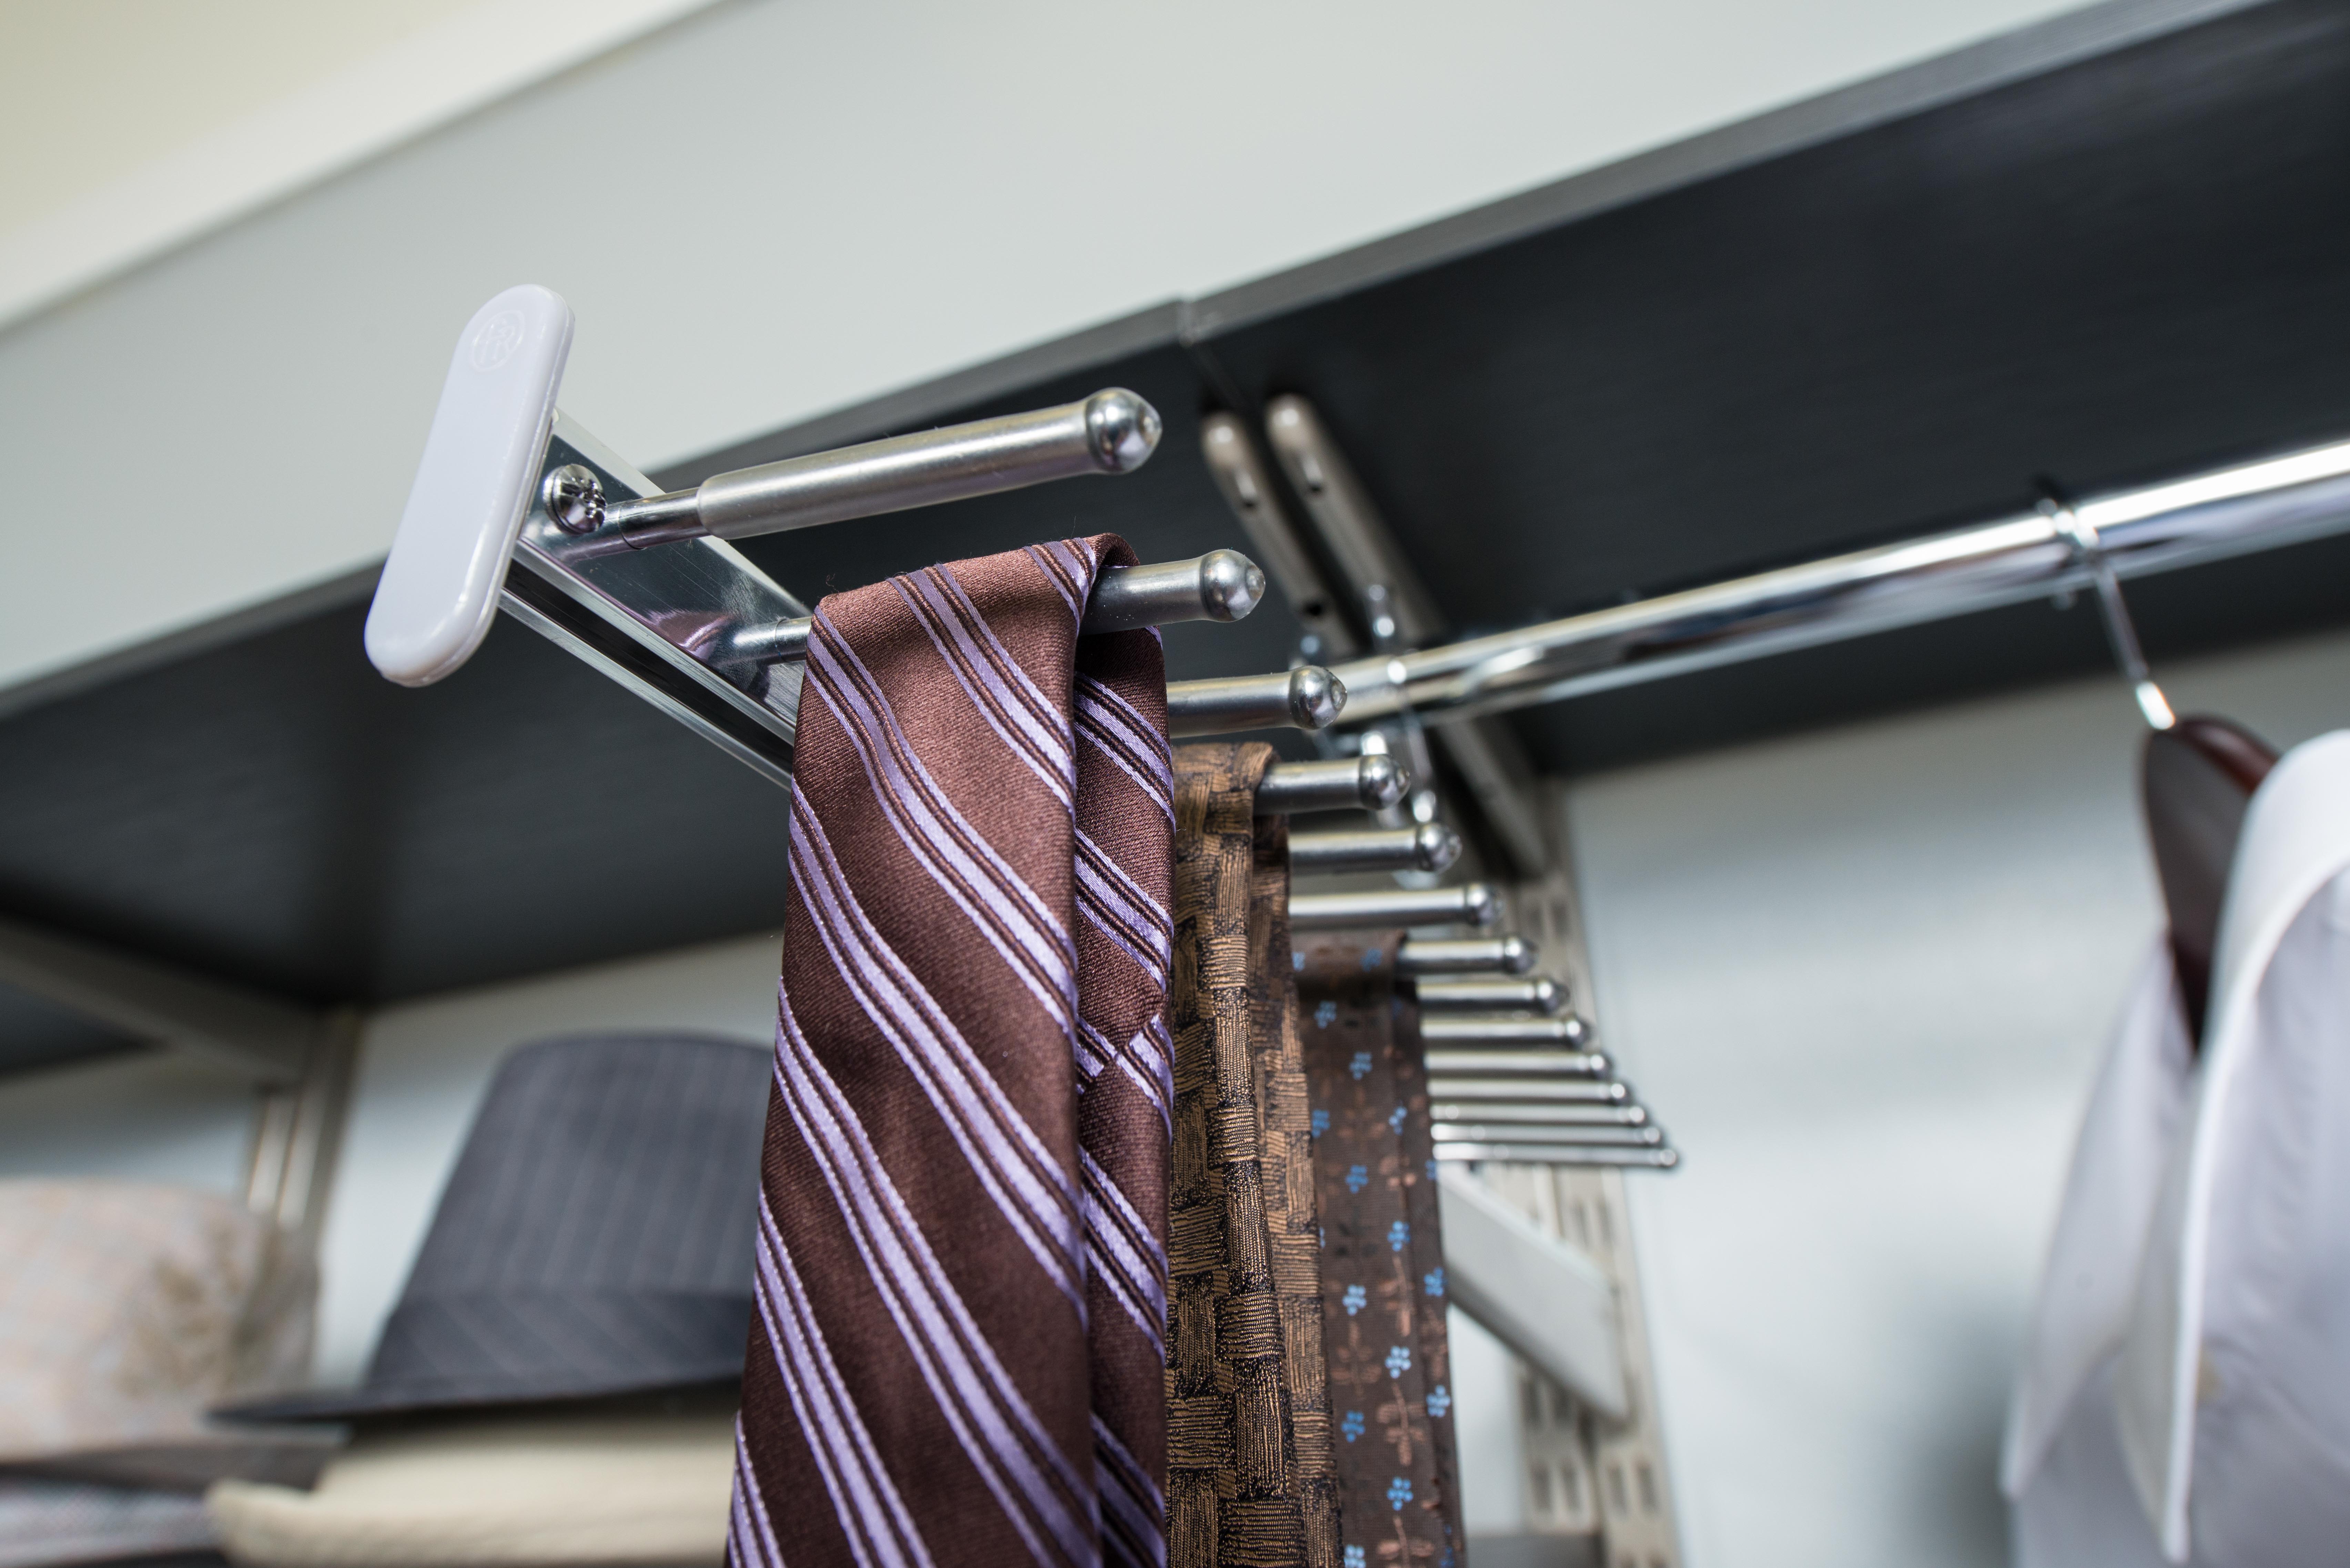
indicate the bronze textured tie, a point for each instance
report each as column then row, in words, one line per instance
column 962, row 1290
column 1249, row 1481
column 1383, row 1259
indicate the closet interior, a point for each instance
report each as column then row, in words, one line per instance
column 1852, row 409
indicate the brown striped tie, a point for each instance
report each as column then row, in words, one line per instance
column 957, row 1349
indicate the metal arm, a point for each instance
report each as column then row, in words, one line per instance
column 1430, row 846
column 1113, row 432
column 1472, row 1029
column 1472, row 955
column 1472, row 904
column 1220, row 586
column 1308, row 698
column 1537, row 994
column 1370, row 782
column 1516, row 1062
column 515, row 507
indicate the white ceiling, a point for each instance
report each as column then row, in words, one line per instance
column 128, row 127
column 92, row 90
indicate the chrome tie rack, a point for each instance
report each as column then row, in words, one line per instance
column 1512, row 1074
column 515, row 507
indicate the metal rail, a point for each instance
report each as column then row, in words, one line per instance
column 2229, row 511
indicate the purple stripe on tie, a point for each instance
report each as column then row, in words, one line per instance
column 1018, row 1172
column 1127, row 1257
column 1041, row 1494
column 1133, row 1511
column 1123, row 912
column 1096, row 1056
column 1126, row 740
column 1070, row 569
column 751, row 1543
column 1017, row 679
column 949, row 850
column 874, row 1518
column 1001, row 692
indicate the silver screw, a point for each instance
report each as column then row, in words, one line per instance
column 574, row 498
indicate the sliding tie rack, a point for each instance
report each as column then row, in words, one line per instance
column 1511, row 1076
column 516, row 507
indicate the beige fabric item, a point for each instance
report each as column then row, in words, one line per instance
column 126, row 1309
column 588, row 1490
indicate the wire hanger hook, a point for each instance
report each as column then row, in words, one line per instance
column 2089, row 552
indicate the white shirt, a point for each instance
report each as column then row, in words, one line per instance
column 2192, row 1336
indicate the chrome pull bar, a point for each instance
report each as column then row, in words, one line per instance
column 1308, row 698
column 1430, row 846
column 1473, row 955
column 1370, row 782
column 1471, row 904
column 1221, row 586
column 1113, row 432
column 1444, row 1029
column 1538, row 994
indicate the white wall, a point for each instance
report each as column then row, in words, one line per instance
column 775, row 208
column 422, row 1071
column 153, row 1116
column 1863, row 976
column 1488, row 1445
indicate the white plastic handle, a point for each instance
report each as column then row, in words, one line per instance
column 438, row 591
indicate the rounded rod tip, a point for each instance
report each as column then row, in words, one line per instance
column 1304, row 699
column 1435, row 845
column 1317, row 696
column 1380, row 782
column 1230, row 584
column 1122, row 429
column 1220, row 586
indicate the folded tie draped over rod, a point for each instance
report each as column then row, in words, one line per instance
column 515, row 507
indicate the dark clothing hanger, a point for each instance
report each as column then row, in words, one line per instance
column 2198, row 778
